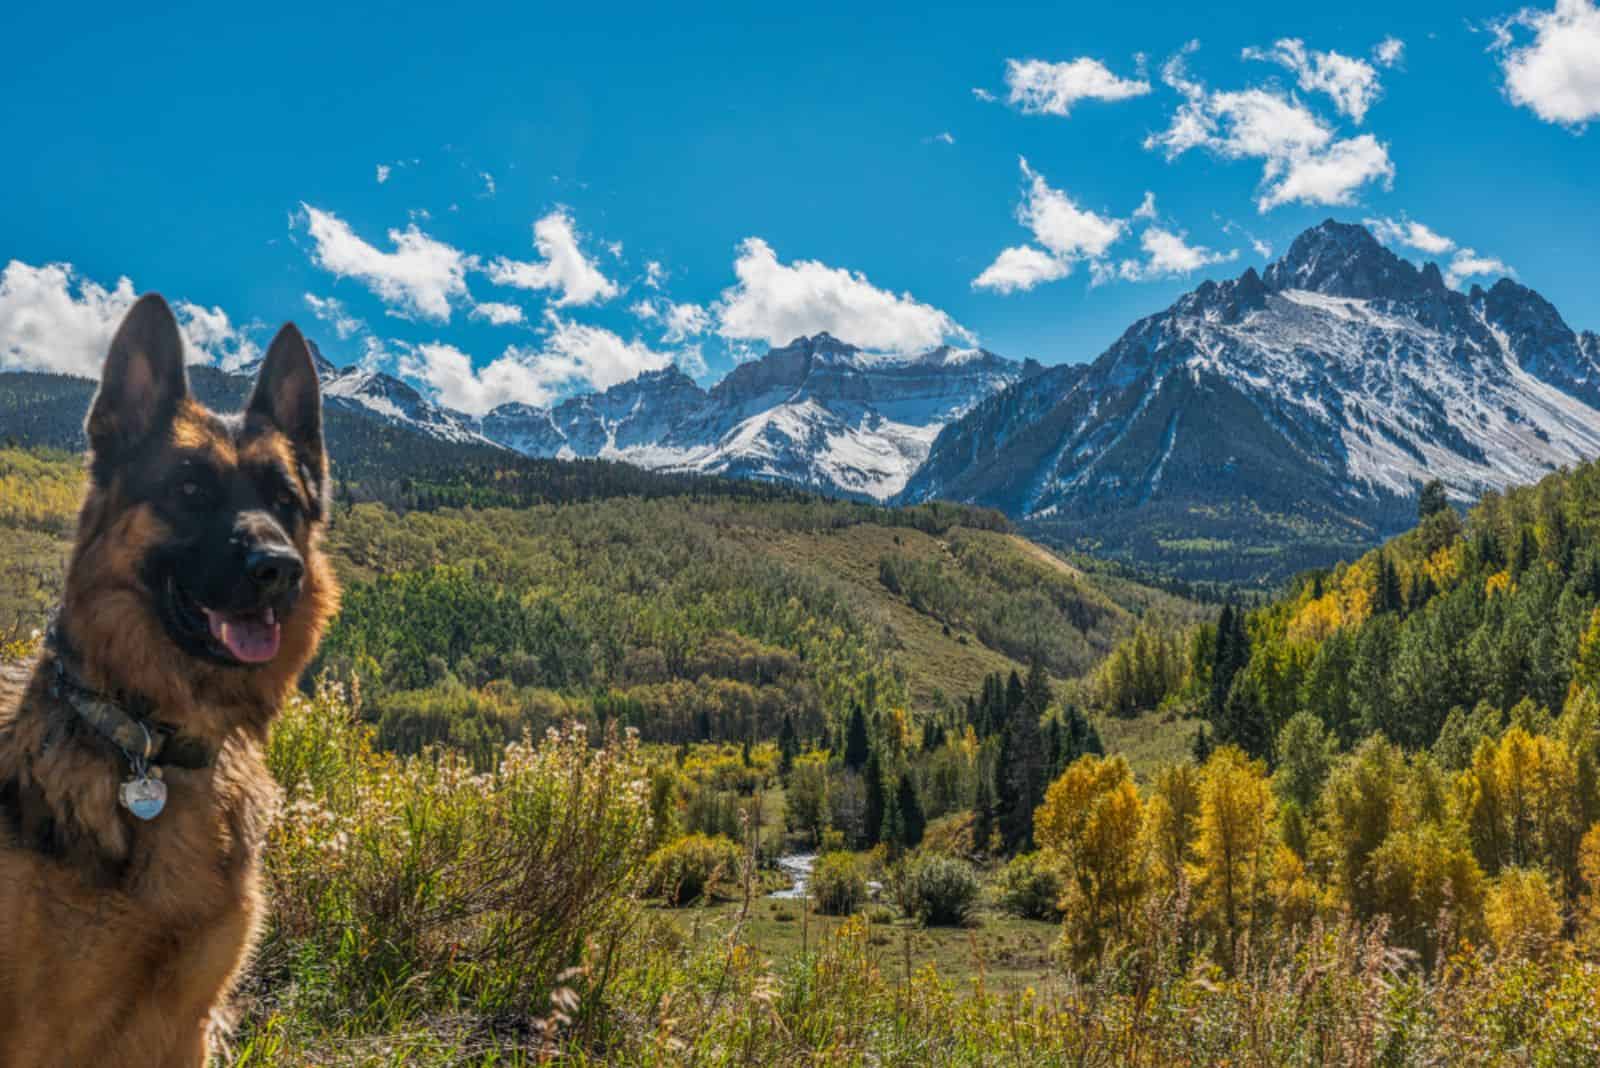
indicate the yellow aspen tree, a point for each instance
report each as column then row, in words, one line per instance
column 1089, row 826
column 1232, row 856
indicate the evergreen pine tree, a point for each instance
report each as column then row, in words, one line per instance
column 1015, row 695
column 788, row 745
column 892, row 830
column 1026, row 771
column 1202, row 746
column 982, row 813
column 857, row 746
column 872, row 819
column 1431, row 500
column 909, row 802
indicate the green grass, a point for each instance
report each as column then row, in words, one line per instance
column 1005, row 953
column 1149, row 740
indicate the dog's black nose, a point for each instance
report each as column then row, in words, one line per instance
column 273, row 571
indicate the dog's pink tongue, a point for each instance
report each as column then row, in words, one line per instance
column 252, row 641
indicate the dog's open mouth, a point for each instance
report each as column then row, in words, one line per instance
column 250, row 639
column 240, row 637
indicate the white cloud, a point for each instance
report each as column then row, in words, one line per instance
column 419, row 278
column 383, row 172
column 564, row 267
column 212, row 338
column 776, row 302
column 1147, row 207
column 572, row 356
column 331, row 310
column 1410, row 234
column 1469, row 263
column 1332, row 176
column 497, row 313
column 489, row 187
column 53, row 319
column 654, row 274
column 946, row 138
column 1262, row 248
column 1021, row 268
column 448, row 374
column 1167, row 254
column 1464, row 263
column 576, row 353
column 983, row 95
column 1302, row 160
column 1059, row 224
column 1351, row 83
column 685, row 321
column 1557, row 74
column 615, row 248
column 1042, row 88
column 643, row 309
column 1068, row 233
column 1389, row 51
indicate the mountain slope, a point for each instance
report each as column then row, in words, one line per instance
column 817, row 413
column 1274, row 421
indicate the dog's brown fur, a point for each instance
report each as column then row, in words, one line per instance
column 120, row 939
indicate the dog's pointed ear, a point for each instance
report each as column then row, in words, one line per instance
column 287, row 394
column 143, row 380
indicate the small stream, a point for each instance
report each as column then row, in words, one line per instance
column 797, row 868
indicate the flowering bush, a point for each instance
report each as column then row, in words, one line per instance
column 412, row 885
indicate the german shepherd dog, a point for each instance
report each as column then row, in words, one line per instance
column 134, row 798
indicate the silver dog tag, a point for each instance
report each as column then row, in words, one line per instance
column 144, row 796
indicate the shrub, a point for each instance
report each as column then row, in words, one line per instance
column 941, row 891
column 693, row 867
column 416, row 885
column 838, row 883
column 1029, row 887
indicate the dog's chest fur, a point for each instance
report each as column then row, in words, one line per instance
column 138, row 926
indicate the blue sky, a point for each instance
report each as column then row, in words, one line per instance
column 783, row 169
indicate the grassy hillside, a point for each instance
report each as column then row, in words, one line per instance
column 725, row 609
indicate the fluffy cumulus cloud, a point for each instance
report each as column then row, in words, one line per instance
column 497, row 313
column 571, row 356
column 1038, row 87
column 1066, row 231
column 777, row 302
column 1302, row 159
column 1059, row 224
column 1409, row 233
column 53, row 319
column 1389, row 51
column 1328, row 177
column 212, row 338
column 562, row 266
column 449, row 375
column 1167, row 254
column 1555, row 73
column 332, row 311
column 1470, row 263
column 1462, row 264
column 1020, row 268
column 1352, row 83
column 383, row 172
column 417, row 279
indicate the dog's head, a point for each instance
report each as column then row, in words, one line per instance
column 199, row 536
